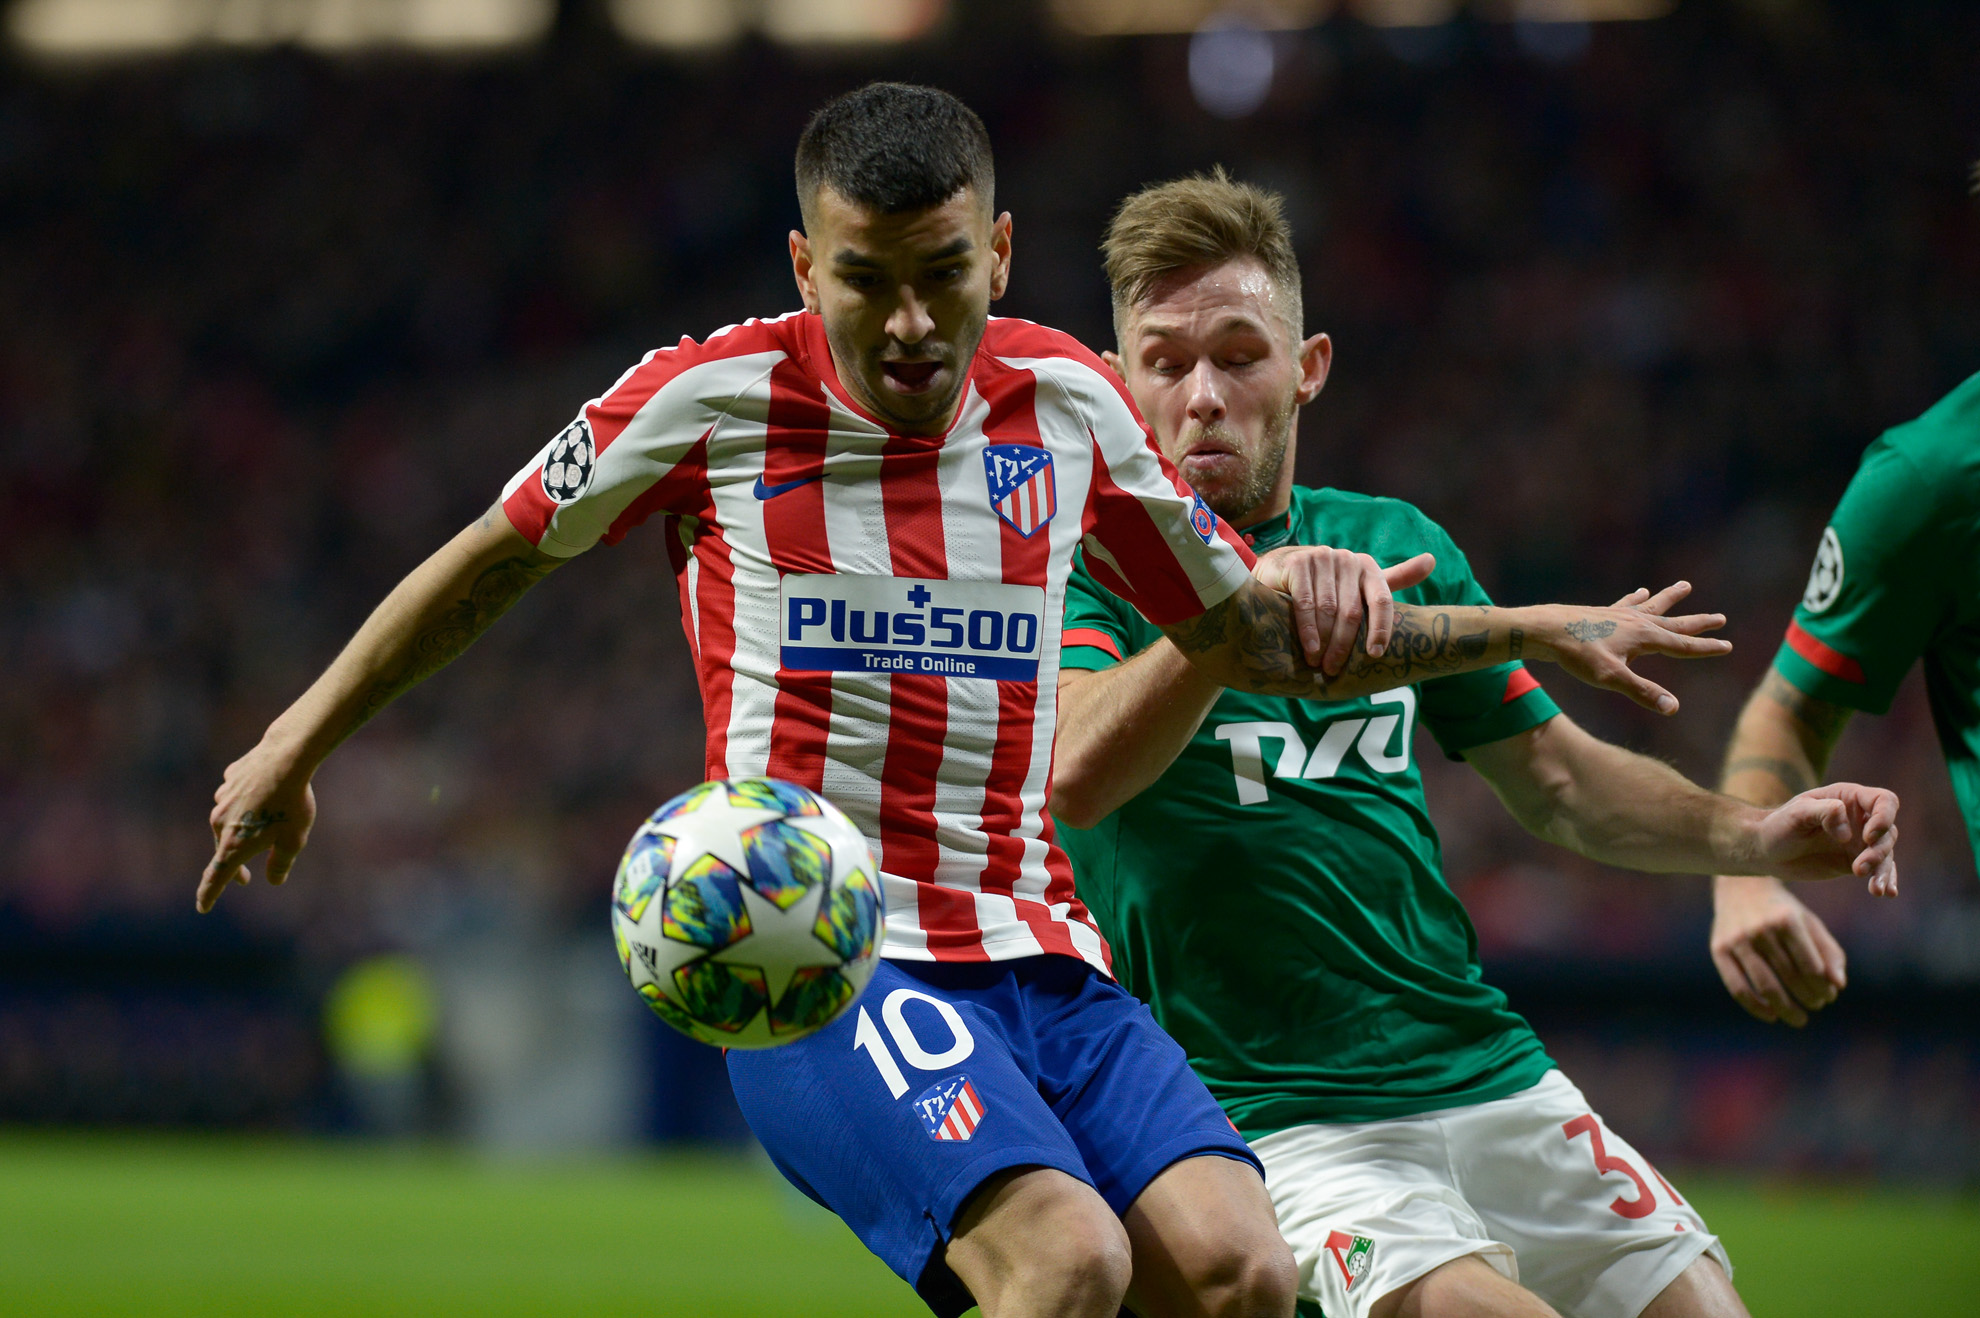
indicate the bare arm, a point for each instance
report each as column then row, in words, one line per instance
column 1776, row 957
column 1610, row 804
column 1625, row 809
column 1264, row 639
column 265, row 802
column 1782, row 743
column 1121, row 728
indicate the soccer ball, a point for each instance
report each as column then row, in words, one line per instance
column 747, row 912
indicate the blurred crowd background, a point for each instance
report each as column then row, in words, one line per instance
column 1617, row 302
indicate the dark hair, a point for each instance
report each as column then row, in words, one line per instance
column 894, row 147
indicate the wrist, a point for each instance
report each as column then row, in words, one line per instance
column 1535, row 632
column 1736, row 839
column 290, row 748
column 1729, row 886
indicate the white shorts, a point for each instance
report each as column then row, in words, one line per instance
column 1534, row 1184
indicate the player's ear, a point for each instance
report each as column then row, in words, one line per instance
column 1000, row 256
column 801, row 268
column 1316, row 358
column 1113, row 359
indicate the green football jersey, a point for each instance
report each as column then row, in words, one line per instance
column 1897, row 576
column 1278, row 896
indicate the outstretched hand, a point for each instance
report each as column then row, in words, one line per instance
column 1831, row 831
column 260, row 806
column 1596, row 645
column 1334, row 592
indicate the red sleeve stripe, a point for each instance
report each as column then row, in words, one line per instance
column 1833, row 662
column 1519, row 682
column 1092, row 636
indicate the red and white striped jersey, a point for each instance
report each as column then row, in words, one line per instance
column 876, row 616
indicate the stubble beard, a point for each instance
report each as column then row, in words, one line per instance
column 1236, row 500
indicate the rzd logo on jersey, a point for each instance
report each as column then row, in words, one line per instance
column 844, row 623
column 1352, row 1253
column 1374, row 739
column 1022, row 489
column 949, row 1108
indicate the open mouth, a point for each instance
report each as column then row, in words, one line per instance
column 909, row 377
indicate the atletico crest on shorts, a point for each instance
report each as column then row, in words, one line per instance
column 949, row 1108
column 1021, row 486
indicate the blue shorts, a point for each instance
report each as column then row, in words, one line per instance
column 948, row 1073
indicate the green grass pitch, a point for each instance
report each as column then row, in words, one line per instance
column 162, row 1226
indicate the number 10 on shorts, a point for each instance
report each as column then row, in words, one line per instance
column 961, row 1043
column 950, row 1108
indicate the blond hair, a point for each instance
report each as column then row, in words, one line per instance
column 1195, row 223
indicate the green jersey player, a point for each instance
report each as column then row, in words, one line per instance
column 1269, row 876
column 1896, row 579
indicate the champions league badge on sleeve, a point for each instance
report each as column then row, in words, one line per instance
column 1021, row 486
column 1825, row 579
column 568, row 464
column 949, row 1109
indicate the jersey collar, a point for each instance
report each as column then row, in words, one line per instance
column 1270, row 534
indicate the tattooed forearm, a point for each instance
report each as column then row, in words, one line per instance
column 1422, row 645
column 1255, row 627
column 1794, row 777
column 1589, row 629
column 1207, row 630
column 1823, row 721
column 1516, row 642
column 1259, row 627
column 442, row 640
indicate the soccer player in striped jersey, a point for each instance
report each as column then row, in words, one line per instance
column 872, row 508
column 1268, row 876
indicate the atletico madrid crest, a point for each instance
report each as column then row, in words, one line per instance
column 1021, row 486
column 949, row 1108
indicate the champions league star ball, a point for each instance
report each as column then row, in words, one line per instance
column 747, row 912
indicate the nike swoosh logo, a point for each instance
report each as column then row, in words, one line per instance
column 772, row 491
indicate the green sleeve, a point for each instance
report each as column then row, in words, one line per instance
column 1097, row 632
column 1879, row 586
column 1472, row 709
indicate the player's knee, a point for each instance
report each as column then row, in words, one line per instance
column 1077, row 1268
column 1087, row 1264
column 1702, row 1290
column 1044, row 1244
column 1467, row 1286
column 1245, row 1279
